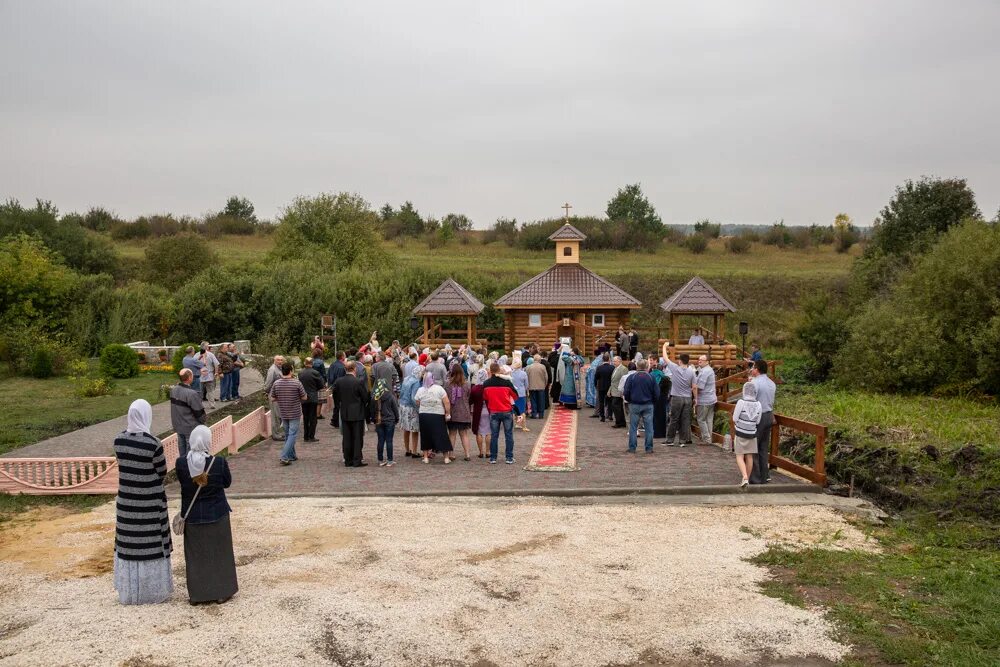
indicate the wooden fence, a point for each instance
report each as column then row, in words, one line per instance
column 816, row 474
column 97, row 475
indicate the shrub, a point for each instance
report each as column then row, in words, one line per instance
column 219, row 224
column 696, row 243
column 342, row 226
column 177, row 361
column 174, row 260
column 142, row 357
column 127, row 231
column 119, row 361
column 738, row 245
column 161, row 354
column 41, row 365
column 822, row 330
column 89, row 388
column 778, row 235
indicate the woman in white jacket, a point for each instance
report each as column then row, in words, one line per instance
column 744, row 422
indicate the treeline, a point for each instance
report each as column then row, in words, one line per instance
column 922, row 312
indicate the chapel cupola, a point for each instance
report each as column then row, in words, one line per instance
column 568, row 240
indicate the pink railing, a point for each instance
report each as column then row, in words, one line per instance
column 93, row 475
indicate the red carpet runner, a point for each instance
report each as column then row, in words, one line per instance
column 555, row 449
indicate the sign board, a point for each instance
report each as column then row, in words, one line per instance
column 566, row 322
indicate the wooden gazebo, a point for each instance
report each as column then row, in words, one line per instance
column 449, row 300
column 700, row 300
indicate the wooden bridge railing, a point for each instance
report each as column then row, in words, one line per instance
column 99, row 474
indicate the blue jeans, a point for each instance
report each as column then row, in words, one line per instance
column 234, row 384
column 384, row 432
column 537, row 403
column 507, row 419
column 196, row 383
column 226, row 387
column 291, row 432
column 182, row 445
column 642, row 411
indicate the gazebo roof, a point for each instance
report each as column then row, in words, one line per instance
column 697, row 296
column 568, row 233
column 449, row 298
column 567, row 285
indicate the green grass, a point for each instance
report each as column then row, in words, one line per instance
column 906, row 422
column 929, row 599
column 38, row 409
column 821, row 261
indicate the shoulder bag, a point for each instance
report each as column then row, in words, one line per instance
column 178, row 523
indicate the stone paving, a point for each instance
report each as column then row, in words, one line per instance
column 98, row 439
column 600, row 455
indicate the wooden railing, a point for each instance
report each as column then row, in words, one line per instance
column 99, row 474
column 816, row 474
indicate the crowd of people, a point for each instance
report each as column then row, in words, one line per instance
column 439, row 398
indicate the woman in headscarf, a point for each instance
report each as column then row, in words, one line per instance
column 434, row 410
column 743, row 422
column 208, row 537
column 408, row 416
column 571, row 392
column 458, row 389
column 662, row 405
column 519, row 378
column 142, row 526
column 480, row 415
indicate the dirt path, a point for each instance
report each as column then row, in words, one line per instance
column 456, row 581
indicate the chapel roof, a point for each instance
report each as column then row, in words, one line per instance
column 568, row 233
column 567, row 285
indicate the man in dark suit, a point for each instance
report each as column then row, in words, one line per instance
column 602, row 383
column 336, row 372
column 351, row 395
column 634, row 341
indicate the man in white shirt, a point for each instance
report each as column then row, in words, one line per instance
column 705, row 399
column 681, row 382
column 696, row 338
column 208, row 372
column 761, row 473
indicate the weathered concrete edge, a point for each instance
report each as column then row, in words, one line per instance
column 560, row 493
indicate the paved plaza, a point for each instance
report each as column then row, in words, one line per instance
column 601, row 458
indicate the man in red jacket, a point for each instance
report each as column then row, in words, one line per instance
column 499, row 395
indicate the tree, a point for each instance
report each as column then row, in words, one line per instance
column 630, row 204
column 81, row 250
column 457, row 221
column 410, row 222
column 708, row 228
column 35, row 282
column 918, row 213
column 100, row 220
column 239, row 208
column 845, row 234
column 386, row 212
column 341, row 225
column 173, row 260
column 822, row 330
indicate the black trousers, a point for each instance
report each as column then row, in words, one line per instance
column 353, row 438
column 761, row 466
column 335, row 417
column 309, row 420
column 618, row 409
column 602, row 405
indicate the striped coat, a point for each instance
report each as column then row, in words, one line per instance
column 142, row 526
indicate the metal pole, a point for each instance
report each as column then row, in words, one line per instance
column 335, row 335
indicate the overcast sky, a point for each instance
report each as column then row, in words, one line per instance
column 736, row 111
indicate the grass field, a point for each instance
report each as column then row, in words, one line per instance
column 38, row 409
column 906, row 422
column 669, row 259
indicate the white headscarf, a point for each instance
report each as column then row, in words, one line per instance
column 140, row 417
column 199, row 443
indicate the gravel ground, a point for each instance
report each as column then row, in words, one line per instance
column 460, row 581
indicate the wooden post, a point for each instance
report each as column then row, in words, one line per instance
column 715, row 326
column 675, row 328
column 722, row 325
column 820, row 465
column 427, row 334
column 468, row 329
column 775, row 436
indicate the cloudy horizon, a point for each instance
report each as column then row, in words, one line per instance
column 743, row 113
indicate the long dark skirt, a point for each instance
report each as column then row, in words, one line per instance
column 434, row 433
column 209, row 560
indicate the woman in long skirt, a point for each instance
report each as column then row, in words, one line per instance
column 208, row 536
column 142, row 526
column 480, row 415
column 434, row 410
